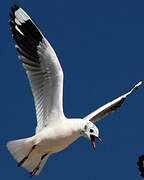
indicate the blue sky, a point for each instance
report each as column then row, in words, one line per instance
column 100, row 45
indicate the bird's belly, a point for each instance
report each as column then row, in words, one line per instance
column 55, row 144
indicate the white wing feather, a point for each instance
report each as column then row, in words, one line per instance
column 109, row 107
column 42, row 66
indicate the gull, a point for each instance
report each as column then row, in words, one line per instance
column 54, row 131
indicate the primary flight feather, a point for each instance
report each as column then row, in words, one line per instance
column 54, row 132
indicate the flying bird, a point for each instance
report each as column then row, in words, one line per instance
column 54, row 132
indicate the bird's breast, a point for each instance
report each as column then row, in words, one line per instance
column 56, row 139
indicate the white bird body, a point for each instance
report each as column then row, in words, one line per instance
column 49, row 140
column 58, row 136
column 54, row 132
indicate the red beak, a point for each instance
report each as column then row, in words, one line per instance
column 92, row 138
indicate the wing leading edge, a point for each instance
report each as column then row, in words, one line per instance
column 110, row 107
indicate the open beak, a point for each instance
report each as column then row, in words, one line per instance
column 99, row 139
column 92, row 138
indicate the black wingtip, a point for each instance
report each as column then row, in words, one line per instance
column 11, row 23
column 140, row 165
column 141, row 158
column 14, row 8
column 25, row 33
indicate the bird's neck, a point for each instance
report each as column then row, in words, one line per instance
column 76, row 125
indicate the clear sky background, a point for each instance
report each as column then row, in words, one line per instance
column 100, row 45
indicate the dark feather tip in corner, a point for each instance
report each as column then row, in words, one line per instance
column 14, row 8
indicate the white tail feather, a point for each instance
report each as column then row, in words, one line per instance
column 20, row 149
column 42, row 165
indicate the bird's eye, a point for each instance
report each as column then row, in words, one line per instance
column 91, row 130
column 85, row 127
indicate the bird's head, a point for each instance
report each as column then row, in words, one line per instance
column 91, row 132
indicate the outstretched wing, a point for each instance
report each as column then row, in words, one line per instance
column 42, row 66
column 110, row 107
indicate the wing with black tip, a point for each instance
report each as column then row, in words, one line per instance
column 42, row 66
